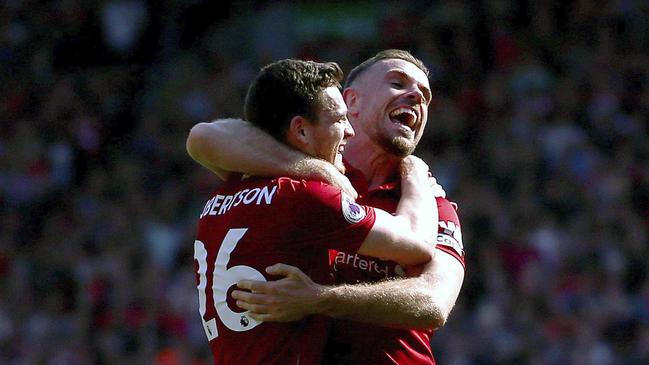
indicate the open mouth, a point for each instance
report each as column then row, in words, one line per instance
column 404, row 116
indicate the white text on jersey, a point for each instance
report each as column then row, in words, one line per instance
column 358, row 262
column 220, row 204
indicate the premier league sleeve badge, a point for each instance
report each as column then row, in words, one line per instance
column 352, row 211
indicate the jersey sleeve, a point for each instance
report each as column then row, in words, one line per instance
column 449, row 234
column 330, row 217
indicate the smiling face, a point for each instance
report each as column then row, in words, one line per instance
column 300, row 104
column 389, row 102
column 330, row 132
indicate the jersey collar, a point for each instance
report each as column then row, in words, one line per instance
column 361, row 183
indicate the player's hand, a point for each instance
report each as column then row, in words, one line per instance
column 324, row 171
column 438, row 190
column 345, row 185
column 341, row 181
column 416, row 178
column 413, row 170
column 288, row 299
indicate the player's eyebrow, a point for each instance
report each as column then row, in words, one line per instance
column 336, row 111
column 336, row 108
column 428, row 94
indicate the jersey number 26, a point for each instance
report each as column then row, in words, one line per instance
column 222, row 279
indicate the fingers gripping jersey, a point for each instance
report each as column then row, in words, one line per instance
column 249, row 225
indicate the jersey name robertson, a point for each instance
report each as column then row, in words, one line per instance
column 221, row 204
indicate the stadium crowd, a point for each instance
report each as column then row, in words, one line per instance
column 539, row 130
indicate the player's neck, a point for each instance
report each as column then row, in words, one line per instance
column 377, row 166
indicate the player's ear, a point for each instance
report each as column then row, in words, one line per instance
column 351, row 100
column 299, row 131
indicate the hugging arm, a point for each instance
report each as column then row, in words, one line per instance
column 233, row 145
column 422, row 301
column 392, row 235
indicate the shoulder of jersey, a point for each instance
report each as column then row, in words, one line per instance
column 323, row 192
column 446, row 207
column 308, row 185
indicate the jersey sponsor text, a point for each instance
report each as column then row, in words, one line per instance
column 359, row 262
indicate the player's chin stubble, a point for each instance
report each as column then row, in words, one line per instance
column 398, row 146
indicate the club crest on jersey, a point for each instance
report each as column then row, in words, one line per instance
column 450, row 235
column 352, row 212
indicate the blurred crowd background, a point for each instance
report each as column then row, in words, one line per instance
column 539, row 130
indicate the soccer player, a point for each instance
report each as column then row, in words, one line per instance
column 250, row 223
column 378, row 321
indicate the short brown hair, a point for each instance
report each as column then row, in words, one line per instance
column 385, row 55
column 287, row 88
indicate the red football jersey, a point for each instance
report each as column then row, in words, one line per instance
column 360, row 343
column 248, row 225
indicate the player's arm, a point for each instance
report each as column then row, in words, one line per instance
column 405, row 237
column 422, row 302
column 234, row 145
